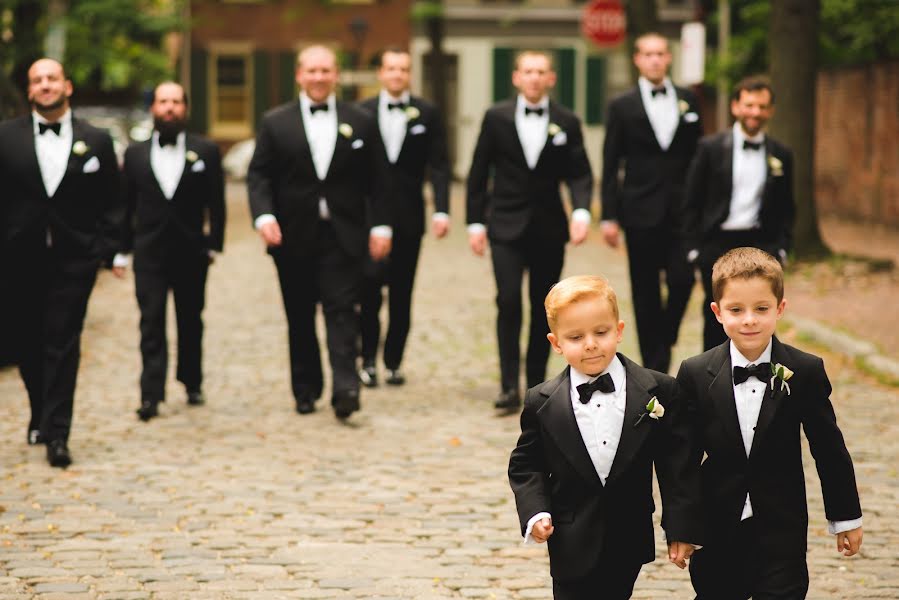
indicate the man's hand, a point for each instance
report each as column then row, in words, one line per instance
column 478, row 242
column 379, row 247
column 578, row 230
column 440, row 227
column 610, row 232
column 271, row 234
column 679, row 552
column 849, row 542
column 119, row 272
column 542, row 530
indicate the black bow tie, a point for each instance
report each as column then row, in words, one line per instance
column 761, row 371
column 167, row 139
column 747, row 145
column 659, row 90
column 54, row 127
column 396, row 106
column 603, row 384
column 313, row 108
column 536, row 111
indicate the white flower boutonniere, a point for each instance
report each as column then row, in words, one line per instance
column 191, row 156
column 683, row 106
column 782, row 373
column 777, row 167
column 654, row 410
column 79, row 148
column 412, row 113
column 346, row 130
column 553, row 129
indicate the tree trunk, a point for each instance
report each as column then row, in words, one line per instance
column 793, row 47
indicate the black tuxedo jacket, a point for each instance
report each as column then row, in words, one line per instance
column 519, row 196
column 85, row 213
column 550, row 470
column 155, row 227
column 772, row 474
column 282, row 180
column 423, row 150
column 709, row 187
column 651, row 192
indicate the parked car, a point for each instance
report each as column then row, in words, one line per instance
column 124, row 125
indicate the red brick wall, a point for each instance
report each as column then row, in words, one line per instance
column 857, row 150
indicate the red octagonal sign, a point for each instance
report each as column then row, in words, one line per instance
column 604, row 23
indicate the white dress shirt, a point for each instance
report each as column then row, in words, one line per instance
column 392, row 123
column 749, row 174
column 53, row 150
column 167, row 163
column 661, row 110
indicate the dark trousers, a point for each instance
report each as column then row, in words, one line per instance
column 543, row 260
column 612, row 579
column 654, row 253
column 397, row 273
column 741, row 570
column 185, row 276
column 333, row 278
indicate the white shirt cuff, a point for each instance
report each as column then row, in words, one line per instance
column 382, row 231
column 476, row 228
column 528, row 538
column 264, row 220
column 581, row 215
column 440, row 216
column 212, row 254
column 121, row 260
column 835, row 527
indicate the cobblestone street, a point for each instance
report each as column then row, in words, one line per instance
column 244, row 498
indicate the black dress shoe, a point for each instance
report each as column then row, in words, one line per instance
column 345, row 404
column 34, row 437
column 368, row 376
column 58, row 454
column 196, row 399
column 509, row 402
column 147, row 410
column 305, row 406
column 394, row 377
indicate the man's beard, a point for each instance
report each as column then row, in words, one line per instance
column 45, row 108
column 169, row 128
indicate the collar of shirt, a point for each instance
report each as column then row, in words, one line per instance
column 646, row 87
column 384, row 97
column 65, row 121
column 306, row 101
column 738, row 360
column 521, row 102
column 615, row 369
column 180, row 143
column 740, row 136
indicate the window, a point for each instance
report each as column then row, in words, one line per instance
column 231, row 91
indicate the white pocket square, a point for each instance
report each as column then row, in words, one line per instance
column 417, row 129
column 560, row 139
column 357, row 144
column 691, row 117
column 199, row 166
column 92, row 165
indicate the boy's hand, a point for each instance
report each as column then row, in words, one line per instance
column 849, row 542
column 679, row 552
column 542, row 530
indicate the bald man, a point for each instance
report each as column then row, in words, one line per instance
column 175, row 227
column 317, row 194
column 60, row 219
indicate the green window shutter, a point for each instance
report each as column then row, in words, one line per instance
column 565, row 76
column 199, row 97
column 503, row 59
column 261, row 84
column 287, row 89
column 596, row 89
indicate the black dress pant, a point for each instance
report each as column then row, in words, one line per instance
column 543, row 260
column 333, row 278
column 612, row 579
column 397, row 273
column 652, row 254
column 185, row 275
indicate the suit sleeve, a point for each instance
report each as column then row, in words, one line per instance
column 215, row 202
column 438, row 165
column 478, row 174
column 579, row 175
column 112, row 213
column 528, row 470
column 260, row 174
column 695, row 193
column 129, row 193
column 612, row 153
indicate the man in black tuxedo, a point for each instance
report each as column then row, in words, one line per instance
column 60, row 218
column 413, row 141
column 652, row 132
column 526, row 148
column 739, row 192
column 175, row 225
column 317, row 195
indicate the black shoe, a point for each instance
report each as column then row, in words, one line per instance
column 196, row 399
column 394, row 377
column 345, row 403
column 305, row 406
column 58, row 454
column 509, row 402
column 34, row 437
column 147, row 410
column 368, row 376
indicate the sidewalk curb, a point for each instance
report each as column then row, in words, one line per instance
column 863, row 352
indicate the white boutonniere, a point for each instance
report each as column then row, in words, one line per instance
column 654, row 410
column 777, row 167
column 683, row 106
column 553, row 130
column 191, row 156
column 412, row 113
column 79, row 148
column 782, row 373
column 346, row 130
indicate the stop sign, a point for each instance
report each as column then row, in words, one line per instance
column 604, row 23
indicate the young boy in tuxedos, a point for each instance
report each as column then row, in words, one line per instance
column 747, row 415
column 582, row 469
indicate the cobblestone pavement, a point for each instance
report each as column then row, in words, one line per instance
column 243, row 498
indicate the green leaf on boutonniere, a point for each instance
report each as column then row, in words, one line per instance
column 783, row 373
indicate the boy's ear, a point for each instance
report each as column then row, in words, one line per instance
column 620, row 330
column 554, row 342
column 781, row 308
column 717, row 310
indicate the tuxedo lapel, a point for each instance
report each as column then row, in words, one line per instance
column 295, row 129
column 508, row 115
column 639, row 390
column 557, row 416
column 146, row 149
column 29, row 150
column 727, row 169
column 341, row 143
column 185, row 172
column 772, row 399
column 721, row 391
column 643, row 118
